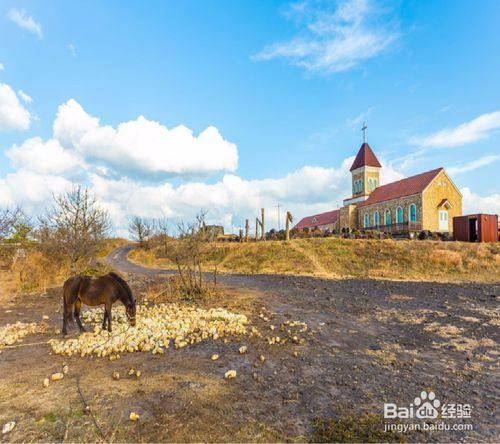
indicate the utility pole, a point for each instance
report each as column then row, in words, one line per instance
column 247, row 229
column 263, row 225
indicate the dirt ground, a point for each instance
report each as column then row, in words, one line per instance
column 368, row 342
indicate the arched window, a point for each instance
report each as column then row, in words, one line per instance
column 376, row 219
column 399, row 215
column 412, row 213
column 387, row 217
column 367, row 220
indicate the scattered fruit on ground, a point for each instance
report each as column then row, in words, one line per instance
column 156, row 327
column 57, row 376
column 12, row 333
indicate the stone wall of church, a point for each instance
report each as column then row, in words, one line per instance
column 348, row 217
column 391, row 205
column 441, row 188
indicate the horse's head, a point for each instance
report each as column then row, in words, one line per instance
column 130, row 311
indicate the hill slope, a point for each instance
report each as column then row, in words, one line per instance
column 338, row 258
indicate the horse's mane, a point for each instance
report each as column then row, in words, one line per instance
column 123, row 284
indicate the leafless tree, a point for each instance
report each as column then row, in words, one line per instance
column 141, row 230
column 162, row 234
column 75, row 226
column 10, row 219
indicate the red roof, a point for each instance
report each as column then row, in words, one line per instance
column 365, row 157
column 404, row 187
column 318, row 220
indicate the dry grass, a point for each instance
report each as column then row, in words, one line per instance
column 35, row 271
column 332, row 257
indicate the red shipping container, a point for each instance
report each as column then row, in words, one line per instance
column 476, row 228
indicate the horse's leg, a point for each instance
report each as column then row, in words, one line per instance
column 105, row 319
column 78, row 306
column 108, row 312
column 65, row 319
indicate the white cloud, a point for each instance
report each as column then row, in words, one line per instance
column 13, row 116
column 72, row 50
column 473, row 165
column 2, row 66
column 24, row 97
column 144, row 146
column 480, row 128
column 25, row 21
column 473, row 203
column 356, row 121
column 38, row 156
column 336, row 37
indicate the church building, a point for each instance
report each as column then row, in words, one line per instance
column 426, row 201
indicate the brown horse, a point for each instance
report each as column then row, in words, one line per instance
column 107, row 289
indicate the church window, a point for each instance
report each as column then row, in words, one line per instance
column 376, row 219
column 367, row 220
column 387, row 217
column 399, row 215
column 412, row 213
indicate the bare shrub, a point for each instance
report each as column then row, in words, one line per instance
column 74, row 227
column 161, row 235
column 190, row 252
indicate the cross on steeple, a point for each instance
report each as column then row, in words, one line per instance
column 364, row 132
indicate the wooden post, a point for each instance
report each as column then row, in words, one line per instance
column 241, row 235
column 247, row 229
column 263, row 226
column 256, row 228
column 289, row 219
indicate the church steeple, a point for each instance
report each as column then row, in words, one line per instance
column 365, row 170
column 365, row 157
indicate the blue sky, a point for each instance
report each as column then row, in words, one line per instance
column 286, row 86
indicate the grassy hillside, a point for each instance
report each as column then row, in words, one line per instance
column 335, row 258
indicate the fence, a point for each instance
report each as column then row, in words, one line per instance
column 403, row 227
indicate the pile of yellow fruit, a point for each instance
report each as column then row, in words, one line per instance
column 156, row 327
column 12, row 333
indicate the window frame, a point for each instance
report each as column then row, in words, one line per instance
column 387, row 212
column 409, row 213
column 399, row 211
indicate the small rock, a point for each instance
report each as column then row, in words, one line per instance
column 116, row 376
column 45, row 317
column 131, row 372
column 138, row 373
column 262, row 358
column 230, row 374
column 134, row 416
column 7, row 428
column 65, row 369
column 243, row 349
column 215, row 357
column 46, row 382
